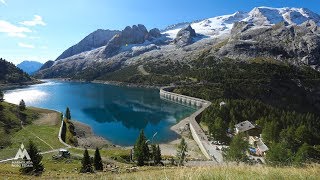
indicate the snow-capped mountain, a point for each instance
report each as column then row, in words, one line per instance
column 284, row 34
column 259, row 16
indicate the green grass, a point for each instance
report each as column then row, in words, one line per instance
column 11, row 121
column 118, row 154
column 66, row 170
column 48, row 133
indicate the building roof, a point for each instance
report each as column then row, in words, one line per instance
column 261, row 146
column 222, row 103
column 244, row 126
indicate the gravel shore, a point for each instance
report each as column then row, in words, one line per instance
column 86, row 137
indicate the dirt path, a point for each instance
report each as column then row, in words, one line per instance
column 36, row 136
column 46, row 117
column 50, row 119
column 142, row 70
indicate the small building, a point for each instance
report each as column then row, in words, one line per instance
column 261, row 148
column 257, row 143
column 244, row 127
column 222, row 104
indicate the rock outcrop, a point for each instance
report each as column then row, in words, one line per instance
column 94, row 40
column 185, row 36
column 154, row 33
column 137, row 34
column 298, row 44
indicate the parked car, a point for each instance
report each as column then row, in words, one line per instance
column 63, row 153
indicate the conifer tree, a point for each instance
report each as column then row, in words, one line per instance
column 153, row 152
column 141, row 149
column 86, row 163
column 97, row 161
column 157, row 158
column 68, row 113
column 22, row 105
column 237, row 149
column 181, row 152
column 1, row 96
column 35, row 157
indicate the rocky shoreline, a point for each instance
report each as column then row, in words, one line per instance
column 119, row 83
column 86, row 137
column 115, row 83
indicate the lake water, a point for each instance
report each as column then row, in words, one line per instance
column 115, row 113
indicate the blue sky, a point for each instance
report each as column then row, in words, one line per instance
column 41, row 29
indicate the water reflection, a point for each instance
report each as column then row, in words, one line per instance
column 116, row 113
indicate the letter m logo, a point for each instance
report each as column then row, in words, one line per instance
column 22, row 153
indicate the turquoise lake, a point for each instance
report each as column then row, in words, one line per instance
column 114, row 112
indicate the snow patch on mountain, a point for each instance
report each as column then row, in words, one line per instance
column 259, row 16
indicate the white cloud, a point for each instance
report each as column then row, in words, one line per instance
column 34, row 37
column 37, row 20
column 30, row 46
column 13, row 30
column 44, row 47
column 3, row 2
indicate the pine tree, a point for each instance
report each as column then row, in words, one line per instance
column 153, row 152
column 270, row 132
column 279, row 154
column 146, row 151
column 141, row 149
column 219, row 130
column 86, row 163
column 181, row 152
column 68, row 113
column 237, row 149
column 22, row 105
column 157, row 158
column 97, row 160
column 35, row 157
column 1, row 96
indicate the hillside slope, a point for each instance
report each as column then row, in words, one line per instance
column 11, row 119
column 10, row 74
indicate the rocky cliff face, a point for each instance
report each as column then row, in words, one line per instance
column 94, row 40
column 185, row 36
column 297, row 44
column 137, row 34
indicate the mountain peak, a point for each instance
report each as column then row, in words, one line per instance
column 30, row 67
column 98, row 38
column 258, row 16
column 268, row 15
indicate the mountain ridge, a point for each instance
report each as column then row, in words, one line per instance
column 94, row 40
column 287, row 29
column 10, row 74
column 30, row 67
